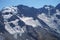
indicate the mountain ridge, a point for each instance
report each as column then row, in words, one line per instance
column 31, row 23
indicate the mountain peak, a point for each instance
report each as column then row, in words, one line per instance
column 58, row 7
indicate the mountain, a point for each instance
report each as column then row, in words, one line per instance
column 28, row 23
column 58, row 6
column 46, row 8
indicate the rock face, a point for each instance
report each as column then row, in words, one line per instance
column 28, row 23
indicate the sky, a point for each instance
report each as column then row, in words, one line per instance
column 30, row 3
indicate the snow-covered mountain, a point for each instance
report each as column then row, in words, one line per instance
column 28, row 23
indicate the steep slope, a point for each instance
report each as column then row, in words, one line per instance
column 28, row 23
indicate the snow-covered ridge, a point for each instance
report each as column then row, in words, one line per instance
column 17, row 29
column 10, row 9
column 50, row 21
column 29, row 20
column 9, row 12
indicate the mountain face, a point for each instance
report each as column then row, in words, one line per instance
column 58, row 6
column 29, row 23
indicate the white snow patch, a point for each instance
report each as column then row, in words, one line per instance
column 9, row 28
column 30, row 21
column 48, row 21
column 15, row 22
column 7, row 16
column 15, row 30
column 10, row 9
